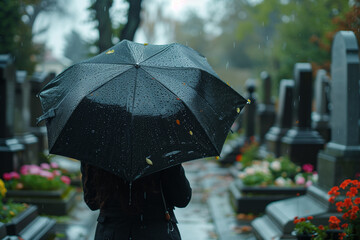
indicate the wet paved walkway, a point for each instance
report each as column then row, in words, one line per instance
column 208, row 216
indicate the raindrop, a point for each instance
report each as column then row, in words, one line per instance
column 234, row 44
column 93, row 131
column 227, row 65
column 221, row 118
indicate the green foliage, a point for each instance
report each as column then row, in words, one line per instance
column 9, row 21
column 258, row 178
column 10, row 210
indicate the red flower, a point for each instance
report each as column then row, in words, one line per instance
column 332, row 199
column 345, row 225
column 334, row 190
column 321, row 227
column 334, row 219
column 357, row 201
column 347, row 203
column 310, row 218
column 302, row 219
column 342, row 235
column 296, row 221
column 238, row 158
column 345, row 183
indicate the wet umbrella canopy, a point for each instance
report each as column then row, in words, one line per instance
column 137, row 109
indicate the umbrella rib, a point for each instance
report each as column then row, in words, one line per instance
column 213, row 144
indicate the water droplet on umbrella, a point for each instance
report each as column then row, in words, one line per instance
column 217, row 157
column 145, row 44
column 110, row 51
column 93, row 131
column 191, row 133
column 237, row 110
column 177, row 121
column 248, row 101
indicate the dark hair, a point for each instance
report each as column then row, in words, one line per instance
column 111, row 189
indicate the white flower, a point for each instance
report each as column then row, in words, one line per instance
column 275, row 165
column 280, row 181
column 249, row 170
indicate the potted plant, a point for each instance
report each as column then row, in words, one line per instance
column 44, row 186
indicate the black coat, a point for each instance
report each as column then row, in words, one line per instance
column 115, row 222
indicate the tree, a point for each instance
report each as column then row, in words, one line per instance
column 101, row 13
column 133, row 20
column 10, row 18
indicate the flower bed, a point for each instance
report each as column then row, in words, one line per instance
column 44, row 186
column 260, row 182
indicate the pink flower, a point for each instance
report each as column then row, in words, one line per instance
column 46, row 174
column 65, row 179
column 308, row 168
column 45, row 166
column 56, row 172
column 308, row 183
column 7, row 176
column 300, row 180
column 24, row 169
column 54, row 165
column 33, row 169
column 14, row 175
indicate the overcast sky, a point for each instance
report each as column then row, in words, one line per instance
column 78, row 19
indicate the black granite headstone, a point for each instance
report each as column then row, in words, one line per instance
column 321, row 115
column 283, row 120
column 11, row 151
column 22, row 118
column 301, row 143
column 266, row 109
column 341, row 158
column 250, row 110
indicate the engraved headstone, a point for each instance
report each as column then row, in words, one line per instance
column 283, row 120
column 11, row 150
column 301, row 143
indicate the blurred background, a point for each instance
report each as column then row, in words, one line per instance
column 240, row 38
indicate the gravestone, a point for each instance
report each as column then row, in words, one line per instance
column 265, row 112
column 11, row 151
column 283, row 120
column 37, row 82
column 22, row 119
column 250, row 111
column 321, row 115
column 341, row 158
column 301, row 143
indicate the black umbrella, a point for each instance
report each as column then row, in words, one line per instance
column 137, row 109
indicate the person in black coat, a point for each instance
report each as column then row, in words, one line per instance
column 141, row 210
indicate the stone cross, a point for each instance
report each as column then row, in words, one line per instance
column 284, row 118
column 321, row 115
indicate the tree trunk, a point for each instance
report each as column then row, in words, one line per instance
column 133, row 22
column 102, row 15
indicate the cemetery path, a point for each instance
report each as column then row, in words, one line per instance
column 208, row 216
